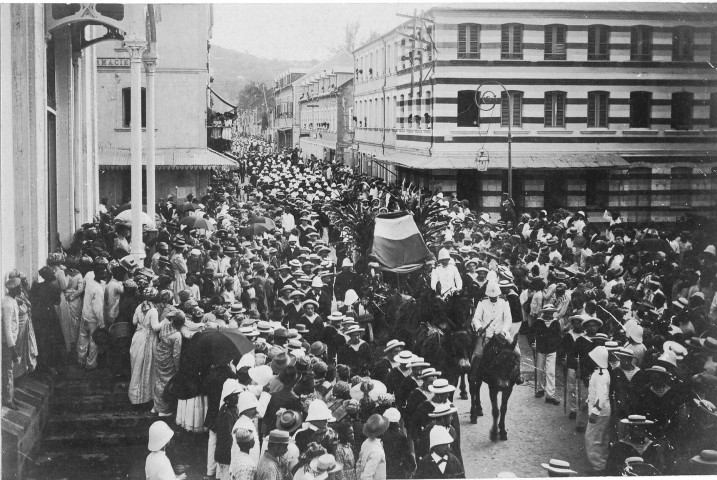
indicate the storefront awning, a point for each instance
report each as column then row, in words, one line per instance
column 284, row 129
column 168, row 159
column 544, row 160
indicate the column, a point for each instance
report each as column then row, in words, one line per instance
column 77, row 148
column 7, row 151
column 135, row 49
column 150, row 63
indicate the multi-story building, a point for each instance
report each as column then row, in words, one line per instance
column 286, row 125
column 614, row 105
column 179, row 62
column 325, row 102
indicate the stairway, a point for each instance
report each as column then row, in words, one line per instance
column 95, row 432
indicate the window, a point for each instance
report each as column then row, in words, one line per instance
column 713, row 46
column 127, row 107
column 598, row 109
column 468, row 111
column 468, row 40
column 403, row 56
column 683, row 39
column 598, row 42
column 555, row 42
column 713, row 110
column 402, row 110
column 554, row 109
column 641, row 43
column 681, row 117
column 681, row 187
column 429, row 47
column 511, row 41
column 640, row 109
column 517, row 98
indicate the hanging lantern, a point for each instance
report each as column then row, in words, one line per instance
column 481, row 160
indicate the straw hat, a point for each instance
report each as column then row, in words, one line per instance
column 375, row 426
column 441, row 385
column 558, row 466
column 706, row 457
column 393, row 344
column 325, row 463
column 442, row 410
column 404, row 358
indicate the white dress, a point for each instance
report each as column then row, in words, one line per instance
column 141, row 353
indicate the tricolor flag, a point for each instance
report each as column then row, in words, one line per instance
column 397, row 244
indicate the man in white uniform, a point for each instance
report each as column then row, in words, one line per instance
column 446, row 274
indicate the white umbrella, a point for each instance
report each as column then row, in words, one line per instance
column 125, row 217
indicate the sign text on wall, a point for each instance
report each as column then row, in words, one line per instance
column 113, row 62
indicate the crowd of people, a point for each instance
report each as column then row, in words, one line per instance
column 627, row 311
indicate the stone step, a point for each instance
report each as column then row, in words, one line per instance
column 108, row 437
column 77, row 387
column 109, row 402
column 89, row 422
column 89, row 463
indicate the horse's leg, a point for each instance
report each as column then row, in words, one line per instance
column 462, row 382
column 493, row 391
column 475, row 383
column 503, row 410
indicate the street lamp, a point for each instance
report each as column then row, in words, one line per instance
column 486, row 103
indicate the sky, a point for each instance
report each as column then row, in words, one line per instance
column 300, row 31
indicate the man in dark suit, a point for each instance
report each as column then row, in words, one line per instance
column 440, row 462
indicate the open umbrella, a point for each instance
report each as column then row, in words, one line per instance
column 258, row 226
column 125, row 217
column 197, row 222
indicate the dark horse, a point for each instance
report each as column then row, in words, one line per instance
column 500, row 369
column 443, row 336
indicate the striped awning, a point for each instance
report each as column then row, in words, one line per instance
column 168, row 159
column 499, row 160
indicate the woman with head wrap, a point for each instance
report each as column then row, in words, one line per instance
column 167, row 353
column 142, row 349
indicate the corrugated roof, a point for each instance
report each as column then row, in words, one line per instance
column 168, row 158
column 544, row 160
column 618, row 7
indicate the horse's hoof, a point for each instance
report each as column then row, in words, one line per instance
column 479, row 413
column 504, row 436
column 464, row 396
column 493, row 434
column 474, row 420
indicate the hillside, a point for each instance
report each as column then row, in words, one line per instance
column 233, row 70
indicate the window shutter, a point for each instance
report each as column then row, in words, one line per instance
column 548, row 41
column 713, row 110
column 592, row 49
column 560, row 109
column 474, row 40
column 604, row 39
column 461, row 41
column 517, row 110
column 559, row 48
column 517, row 39
column 504, row 118
column 591, row 109
column 634, row 40
column 505, row 39
column 646, row 42
column 548, row 109
column 676, row 53
column 602, row 110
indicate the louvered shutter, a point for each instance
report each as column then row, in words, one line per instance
column 517, row 40
column 505, row 41
column 560, row 109
column 559, row 46
column 604, row 40
column 592, row 42
column 548, row 42
column 634, row 40
column 504, row 110
column 517, row 109
column 548, row 109
column 474, row 29
column 676, row 44
column 646, row 41
column 602, row 110
column 461, row 41
column 592, row 103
